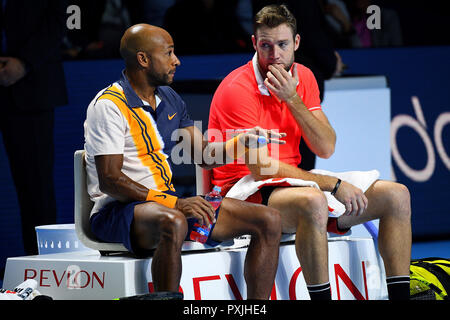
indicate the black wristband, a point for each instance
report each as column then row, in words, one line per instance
column 336, row 187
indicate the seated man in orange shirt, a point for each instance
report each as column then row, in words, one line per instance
column 273, row 92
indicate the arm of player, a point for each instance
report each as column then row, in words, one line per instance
column 262, row 167
column 216, row 154
column 317, row 131
column 115, row 183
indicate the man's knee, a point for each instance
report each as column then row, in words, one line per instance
column 400, row 199
column 268, row 222
column 172, row 225
column 312, row 207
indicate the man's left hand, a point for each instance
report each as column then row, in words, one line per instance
column 281, row 83
column 11, row 70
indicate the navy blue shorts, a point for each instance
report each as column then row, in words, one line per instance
column 113, row 224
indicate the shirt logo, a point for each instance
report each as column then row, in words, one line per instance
column 171, row 117
column 161, row 196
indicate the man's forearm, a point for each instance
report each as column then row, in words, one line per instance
column 214, row 155
column 123, row 188
column 220, row 153
column 318, row 133
column 206, row 154
column 266, row 167
column 316, row 129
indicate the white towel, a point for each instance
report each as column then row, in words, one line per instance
column 247, row 186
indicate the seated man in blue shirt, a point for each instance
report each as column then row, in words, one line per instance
column 128, row 142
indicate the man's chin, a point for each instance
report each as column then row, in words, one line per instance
column 166, row 82
column 169, row 79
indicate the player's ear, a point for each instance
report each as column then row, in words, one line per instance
column 296, row 41
column 254, row 41
column 143, row 59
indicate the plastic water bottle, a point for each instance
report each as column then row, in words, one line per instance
column 214, row 197
column 199, row 232
column 262, row 140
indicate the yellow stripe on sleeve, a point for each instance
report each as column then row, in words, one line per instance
column 146, row 142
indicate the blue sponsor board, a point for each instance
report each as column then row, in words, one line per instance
column 419, row 79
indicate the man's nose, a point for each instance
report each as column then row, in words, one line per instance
column 275, row 53
column 176, row 62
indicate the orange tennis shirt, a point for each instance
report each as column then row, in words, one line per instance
column 242, row 101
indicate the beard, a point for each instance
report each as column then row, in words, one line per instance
column 265, row 68
column 159, row 79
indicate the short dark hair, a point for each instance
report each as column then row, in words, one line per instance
column 274, row 15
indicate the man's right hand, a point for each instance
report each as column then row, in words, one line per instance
column 11, row 70
column 198, row 208
column 250, row 138
column 353, row 198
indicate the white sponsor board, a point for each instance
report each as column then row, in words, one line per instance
column 354, row 266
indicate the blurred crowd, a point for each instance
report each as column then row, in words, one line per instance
column 225, row 26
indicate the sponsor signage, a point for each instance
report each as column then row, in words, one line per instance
column 355, row 273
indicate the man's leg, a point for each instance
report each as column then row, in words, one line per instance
column 238, row 218
column 304, row 211
column 28, row 140
column 389, row 202
column 156, row 226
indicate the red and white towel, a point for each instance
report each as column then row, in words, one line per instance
column 247, row 186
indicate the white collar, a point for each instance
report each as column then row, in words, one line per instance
column 259, row 79
column 157, row 100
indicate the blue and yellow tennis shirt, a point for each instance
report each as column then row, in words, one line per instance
column 119, row 122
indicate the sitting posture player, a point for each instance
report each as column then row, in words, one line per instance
column 273, row 92
column 128, row 142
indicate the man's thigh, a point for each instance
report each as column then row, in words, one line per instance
column 237, row 217
column 147, row 220
column 293, row 202
column 382, row 197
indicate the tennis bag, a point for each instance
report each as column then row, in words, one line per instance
column 430, row 279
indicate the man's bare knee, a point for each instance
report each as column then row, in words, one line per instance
column 268, row 222
column 400, row 200
column 390, row 199
column 160, row 222
column 313, row 207
column 172, row 225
